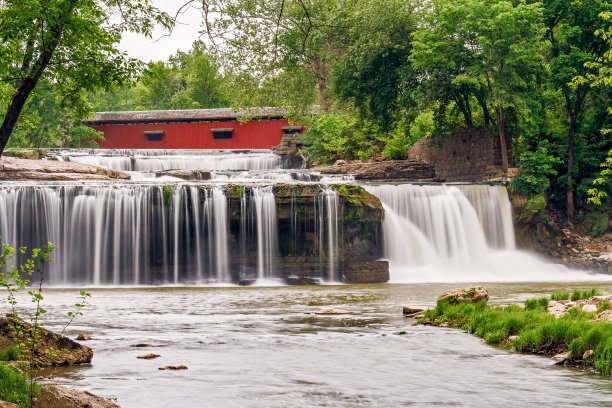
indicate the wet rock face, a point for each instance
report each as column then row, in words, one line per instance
column 471, row 294
column 67, row 351
column 303, row 234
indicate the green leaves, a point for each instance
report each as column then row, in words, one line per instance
column 535, row 169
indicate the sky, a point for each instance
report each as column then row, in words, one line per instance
column 160, row 47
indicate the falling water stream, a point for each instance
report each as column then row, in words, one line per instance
column 262, row 346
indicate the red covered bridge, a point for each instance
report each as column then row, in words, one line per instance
column 193, row 129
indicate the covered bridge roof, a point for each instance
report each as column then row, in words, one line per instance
column 187, row 115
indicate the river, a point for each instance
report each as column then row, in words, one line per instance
column 265, row 347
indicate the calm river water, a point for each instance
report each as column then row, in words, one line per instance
column 264, row 347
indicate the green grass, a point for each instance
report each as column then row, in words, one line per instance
column 14, row 387
column 560, row 296
column 536, row 330
column 9, row 354
column 575, row 295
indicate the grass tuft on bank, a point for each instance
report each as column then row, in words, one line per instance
column 9, row 354
column 588, row 342
column 14, row 386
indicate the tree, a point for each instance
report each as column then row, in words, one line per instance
column 71, row 43
column 492, row 42
column 374, row 72
column 571, row 27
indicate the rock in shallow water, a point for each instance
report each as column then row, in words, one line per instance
column 470, row 294
column 149, row 356
column 178, row 367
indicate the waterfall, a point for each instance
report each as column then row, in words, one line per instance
column 494, row 211
column 122, row 235
column 150, row 160
column 456, row 233
column 267, row 241
column 331, row 203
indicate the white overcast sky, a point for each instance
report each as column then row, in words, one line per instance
column 159, row 47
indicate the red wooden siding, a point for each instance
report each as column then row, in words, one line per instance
column 257, row 134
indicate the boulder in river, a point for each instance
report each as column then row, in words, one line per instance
column 410, row 311
column 55, row 396
column 66, row 351
column 83, row 337
column 470, row 294
column 150, row 356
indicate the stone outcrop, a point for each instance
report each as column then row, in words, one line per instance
column 365, row 272
column 185, row 174
column 471, row 294
column 55, row 396
column 66, row 351
column 4, row 404
column 14, row 169
column 558, row 308
column 538, row 232
column 387, row 170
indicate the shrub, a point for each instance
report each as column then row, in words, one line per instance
column 535, row 169
column 9, row 354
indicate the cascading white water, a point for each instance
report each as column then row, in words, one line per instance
column 156, row 160
column 267, row 240
column 122, row 235
column 331, row 202
column 451, row 233
column 494, row 211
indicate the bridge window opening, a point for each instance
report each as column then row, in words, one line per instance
column 154, row 135
column 222, row 133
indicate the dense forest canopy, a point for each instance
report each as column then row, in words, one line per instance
column 385, row 72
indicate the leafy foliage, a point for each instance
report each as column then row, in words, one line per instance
column 536, row 167
column 15, row 278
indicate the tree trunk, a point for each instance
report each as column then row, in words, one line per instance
column 31, row 74
column 570, row 165
column 14, row 110
column 573, row 113
column 516, row 138
column 501, row 125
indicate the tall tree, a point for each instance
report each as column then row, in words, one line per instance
column 492, row 42
column 71, row 43
column 571, row 27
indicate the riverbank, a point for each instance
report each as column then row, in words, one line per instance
column 541, row 228
column 573, row 328
column 50, row 350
